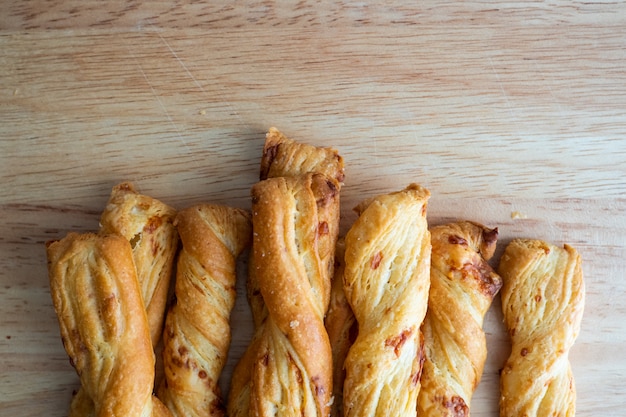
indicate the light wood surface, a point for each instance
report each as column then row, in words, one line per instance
column 512, row 114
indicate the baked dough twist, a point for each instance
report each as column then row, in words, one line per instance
column 386, row 281
column 197, row 330
column 282, row 157
column 462, row 288
column 104, row 328
column 543, row 299
column 295, row 223
column 147, row 224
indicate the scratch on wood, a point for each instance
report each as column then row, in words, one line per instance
column 162, row 105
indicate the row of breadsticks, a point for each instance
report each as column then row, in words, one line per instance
column 384, row 321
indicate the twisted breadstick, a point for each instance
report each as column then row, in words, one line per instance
column 386, row 282
column 295, row 221
column 197, row 331
column 103, row 323
column 282, row 157
column 148, row 224
column 542, row 301
column 462, row 288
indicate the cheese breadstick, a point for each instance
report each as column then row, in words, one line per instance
column 294, row 222
column 386, row 282
column 543, row 298
column 462, row 288
column 197, row 329
column 148, row 224
column 282, row 157
column 104, row 327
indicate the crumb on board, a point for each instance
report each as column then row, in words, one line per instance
column 518, row 215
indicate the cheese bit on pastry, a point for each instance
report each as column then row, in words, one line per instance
column 543, row 299
column 148, row 224
column 462, row 288
column 197, row 333
column 386, row 282
column 295, row 223
column 104, row 328
column 341, row 327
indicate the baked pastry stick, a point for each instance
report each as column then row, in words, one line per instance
column 462, row 288
column 295, row 222
column 543, row 299
column 148, row 224
column 386, row 282
column 282, row 157
column 104, row 328
column 342, row 328
column 197, row 330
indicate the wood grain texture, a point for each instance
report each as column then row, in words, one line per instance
column 496, row 107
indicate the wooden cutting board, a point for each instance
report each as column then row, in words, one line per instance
column 512, row 114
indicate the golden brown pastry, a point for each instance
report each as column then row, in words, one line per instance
column 386, row 282
column 282, row 157
column 197, row 330
column 103, row 323
column 295, row 223
column 462, row 288
column 543, row 299
column 148, row 224
column 342, row 328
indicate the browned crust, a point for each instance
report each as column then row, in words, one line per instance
column 462, row 289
